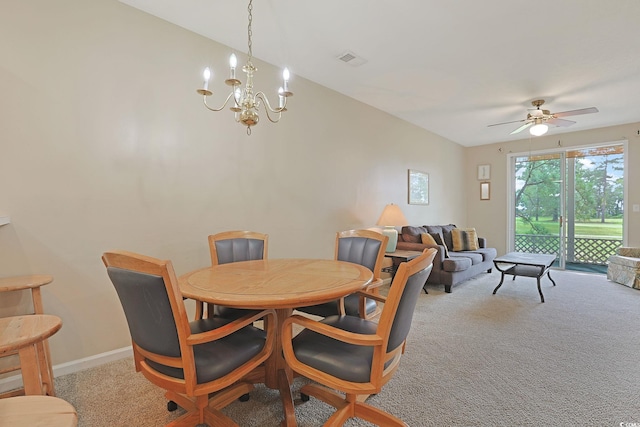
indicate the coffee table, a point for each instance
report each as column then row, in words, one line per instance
column 524, row 264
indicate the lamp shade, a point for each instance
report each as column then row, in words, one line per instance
column 391, row 217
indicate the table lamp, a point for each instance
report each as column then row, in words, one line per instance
column 391, row 217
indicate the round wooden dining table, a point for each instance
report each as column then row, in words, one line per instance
column 281, row 284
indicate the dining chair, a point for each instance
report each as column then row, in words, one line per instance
column 356, row 356
column 364, row 247
column 188, row 360
column 233, row 246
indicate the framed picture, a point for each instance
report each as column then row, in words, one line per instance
column 418, row 187
column 485, row 191
column 484, row 172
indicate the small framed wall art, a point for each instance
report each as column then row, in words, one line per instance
column 485, row 191
column 418, row 187
column 484, row 172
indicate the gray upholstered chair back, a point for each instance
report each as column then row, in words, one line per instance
column 406, row 306
column 359, row 250
column 147, row 308
column 240, row 249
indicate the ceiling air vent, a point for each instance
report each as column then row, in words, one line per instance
column 351, row 59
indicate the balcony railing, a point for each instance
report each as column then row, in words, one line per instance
column 587, row 250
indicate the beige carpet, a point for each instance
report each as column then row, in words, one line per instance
column 473, row 359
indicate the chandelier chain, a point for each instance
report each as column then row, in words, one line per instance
column 249, row 32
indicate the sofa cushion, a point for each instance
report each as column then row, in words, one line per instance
column 626, row 261
column 445, row 231
column 412, row 234
column 464, row 239
column 456, row 264
column 488, row 254
column 475, row 258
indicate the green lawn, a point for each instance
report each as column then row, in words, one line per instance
column 611, row 228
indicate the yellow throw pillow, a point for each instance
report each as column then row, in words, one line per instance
column 464, row 239
column 435, row 239
column 427, row 239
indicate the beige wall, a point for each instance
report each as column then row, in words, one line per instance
column 105, row 144
column 490, row 217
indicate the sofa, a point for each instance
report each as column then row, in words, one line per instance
column 624, row 267
column 449, row 267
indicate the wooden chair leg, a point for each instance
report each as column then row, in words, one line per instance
column 326, row 395
column 207, row 410
column 377, row 416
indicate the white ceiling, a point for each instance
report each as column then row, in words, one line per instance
column 451, row 67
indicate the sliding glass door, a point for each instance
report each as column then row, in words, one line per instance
column 539, row 204
column 569, row 203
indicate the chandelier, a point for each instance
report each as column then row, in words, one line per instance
column 246, row 102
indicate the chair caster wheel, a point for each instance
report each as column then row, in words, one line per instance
column 171, row 406
column 304, row 397
column 244, row 398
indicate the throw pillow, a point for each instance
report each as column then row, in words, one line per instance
column 412, row 234
column 427, row 239
column 464, row 239
column 440, row 241
column 445, row 231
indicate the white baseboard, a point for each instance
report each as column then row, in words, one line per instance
column 15, row 381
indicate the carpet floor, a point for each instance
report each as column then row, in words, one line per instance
column 472, row 359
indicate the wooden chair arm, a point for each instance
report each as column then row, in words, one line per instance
column 335, row 333
column 174, row 362
column 306, row 370
column 229, row 328
column 377, row 297
column 373, row 285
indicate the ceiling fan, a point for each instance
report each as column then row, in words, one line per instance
column 538, row 119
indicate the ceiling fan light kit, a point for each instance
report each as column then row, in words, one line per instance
column 539, row 128
column 538, row 120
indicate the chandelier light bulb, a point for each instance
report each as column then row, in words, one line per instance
column 233, row 62
column 207, row 76
column 538, row 129
column 237, row 93
column 285, row 77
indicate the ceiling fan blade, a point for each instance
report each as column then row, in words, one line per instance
column 506, row 123
column 561, row 122
column 521, row 128
column 576, row 112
